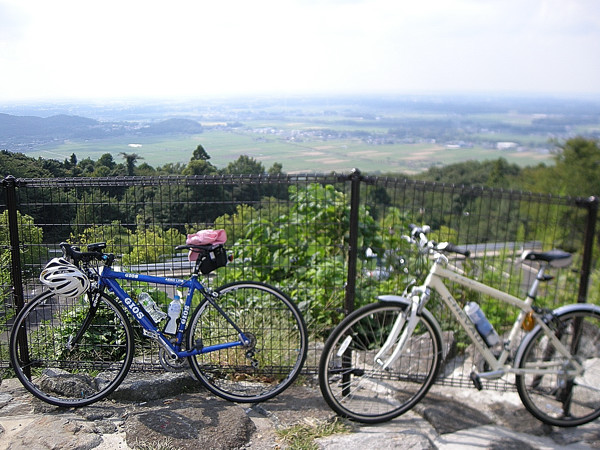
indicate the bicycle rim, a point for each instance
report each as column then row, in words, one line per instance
column 92, row 369
column 276, row 355
column 357, row 387
column 558, row 398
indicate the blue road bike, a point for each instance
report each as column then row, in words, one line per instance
column 245, row 341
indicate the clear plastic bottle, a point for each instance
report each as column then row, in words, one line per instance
column 151, row 307
column 173, row 312
column 484, row 327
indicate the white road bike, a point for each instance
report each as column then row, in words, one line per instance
column 381, row 360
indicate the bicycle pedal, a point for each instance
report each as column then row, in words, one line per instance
column 476, row 381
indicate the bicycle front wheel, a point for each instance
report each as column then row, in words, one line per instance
column 277, row 351
column 552, row 394
column 356, row 386
column 61, row 369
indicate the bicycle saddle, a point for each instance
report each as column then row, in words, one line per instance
column 556, row 258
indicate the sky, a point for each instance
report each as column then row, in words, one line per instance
column 74, row 49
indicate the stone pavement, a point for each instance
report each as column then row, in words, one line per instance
column 171, row 411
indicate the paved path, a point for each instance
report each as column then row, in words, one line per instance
column 170, row 411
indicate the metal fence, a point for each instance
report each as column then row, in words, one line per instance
column 332, row 242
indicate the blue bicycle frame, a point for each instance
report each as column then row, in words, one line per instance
column 108, row 278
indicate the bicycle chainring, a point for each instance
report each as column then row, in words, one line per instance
column 252, row 344
column 170, row 364
column 251, row 350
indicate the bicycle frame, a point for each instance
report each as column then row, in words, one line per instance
column 109, row 278
column 435, row 280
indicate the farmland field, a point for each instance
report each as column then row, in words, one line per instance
column 339, row 155
column 403, row 135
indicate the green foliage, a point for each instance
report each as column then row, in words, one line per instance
column 151, row 244
column 577, row 169
column 130, row 160
column 494, row 173
column 302, row 246
column 117, row 237
column 5, row 290
column 21, row 166
column 245, row 165
column 30, row 238
column 147, row 244
column 70, row 323
column 200, row 154
column 199, row 167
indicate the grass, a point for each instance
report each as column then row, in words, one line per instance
column 302, row 436
column 161, row 444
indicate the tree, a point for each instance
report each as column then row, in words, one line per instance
column 577, row 170
column 200, row 154
column 19, row 165
column 130, row 160
column 276, row 169
column 199, row 167
column 106, row 160
column 145, row 169
column 245, row 165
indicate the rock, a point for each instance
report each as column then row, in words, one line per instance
column 50, row 432
column 141, row 387
column 441, row 412
column 189, row 422
column 401, row 440
column 5, row 399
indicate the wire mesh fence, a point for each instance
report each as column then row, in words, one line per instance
column 331, row 242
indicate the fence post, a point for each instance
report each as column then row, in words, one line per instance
column 10, row 183
column 591, row 204
column 355, row 178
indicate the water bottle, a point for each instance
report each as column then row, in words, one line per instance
column 151, row 307
column 484, row 327
column 173, row 313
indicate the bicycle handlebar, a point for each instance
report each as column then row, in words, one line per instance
column 448, row 247
column 418, row 236
column 94, row 253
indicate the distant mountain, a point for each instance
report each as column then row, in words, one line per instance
column 170, row 126
column 22, row 132
column 29, row 126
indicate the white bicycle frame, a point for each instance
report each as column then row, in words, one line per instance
column 435, row 280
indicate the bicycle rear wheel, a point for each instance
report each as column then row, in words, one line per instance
column 557, row 398
column 275, row 357
column 356, row 387
column 62, row 374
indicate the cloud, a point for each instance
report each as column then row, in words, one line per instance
column 190, row 48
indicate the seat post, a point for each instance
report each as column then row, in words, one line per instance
column 533, row 289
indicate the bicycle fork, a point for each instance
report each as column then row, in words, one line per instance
column 410, row 318
column 74, row 340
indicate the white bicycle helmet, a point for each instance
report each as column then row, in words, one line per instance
column 64, row 278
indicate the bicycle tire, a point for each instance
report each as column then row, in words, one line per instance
column 557, row 399
column 355, row 387
column 43, row 362
column 280, row 344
